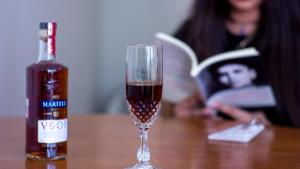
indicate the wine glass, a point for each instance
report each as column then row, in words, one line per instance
column 144, row 80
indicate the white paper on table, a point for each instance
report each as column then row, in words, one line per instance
column 242, row 133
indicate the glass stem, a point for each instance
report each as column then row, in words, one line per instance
column 143, row 154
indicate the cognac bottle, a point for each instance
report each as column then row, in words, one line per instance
column 46, row 102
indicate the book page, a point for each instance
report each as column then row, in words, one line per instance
column 178, row 83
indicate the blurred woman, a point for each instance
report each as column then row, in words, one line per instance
column 272, row 26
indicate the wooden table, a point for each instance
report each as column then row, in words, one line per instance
column 102, row 141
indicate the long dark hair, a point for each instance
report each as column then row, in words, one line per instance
column 277, row 38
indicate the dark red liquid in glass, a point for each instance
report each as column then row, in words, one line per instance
column 144, row 99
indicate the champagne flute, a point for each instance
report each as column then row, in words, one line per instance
column 144, row 80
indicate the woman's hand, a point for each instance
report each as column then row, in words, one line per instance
column 191, row 107
column 241, row 115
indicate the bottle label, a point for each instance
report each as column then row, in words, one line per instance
column 54, row 103
column 52, row 131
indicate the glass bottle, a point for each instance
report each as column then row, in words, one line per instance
column 46, row 102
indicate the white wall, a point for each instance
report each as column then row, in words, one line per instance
column 91, row 41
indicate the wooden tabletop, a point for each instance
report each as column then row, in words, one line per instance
column 111, row 142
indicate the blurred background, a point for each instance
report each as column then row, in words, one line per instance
column 91, row 42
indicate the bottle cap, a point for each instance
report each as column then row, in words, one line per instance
column 50, row 27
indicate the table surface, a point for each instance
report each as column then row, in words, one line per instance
column 107, row 141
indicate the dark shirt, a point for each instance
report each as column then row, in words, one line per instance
column 233, row 41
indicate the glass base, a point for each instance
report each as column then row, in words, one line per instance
column 142, row 166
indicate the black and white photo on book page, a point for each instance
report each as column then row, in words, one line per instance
column 235, row 77
column 235, row 80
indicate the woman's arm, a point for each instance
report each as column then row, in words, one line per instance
column 190, row 108
column 241, row 115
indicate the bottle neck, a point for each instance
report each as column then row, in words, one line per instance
column 46, row 49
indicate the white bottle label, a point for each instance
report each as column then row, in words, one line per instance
column 52, row 131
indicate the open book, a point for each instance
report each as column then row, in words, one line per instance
column 235, row 77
